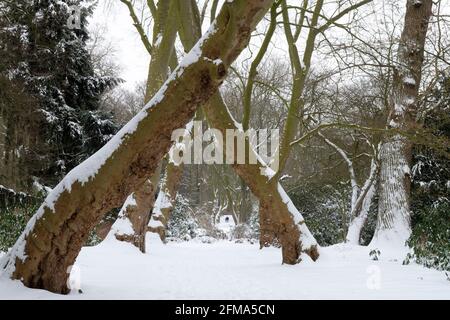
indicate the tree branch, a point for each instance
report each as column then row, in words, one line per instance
column 138, row 25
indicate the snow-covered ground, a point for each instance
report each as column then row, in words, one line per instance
column 226, row 270
column 226, row 225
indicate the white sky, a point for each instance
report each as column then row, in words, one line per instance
column 130, row 53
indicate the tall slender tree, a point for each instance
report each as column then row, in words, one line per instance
column 393, row 225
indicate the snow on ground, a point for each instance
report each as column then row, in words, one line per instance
column 226, row 270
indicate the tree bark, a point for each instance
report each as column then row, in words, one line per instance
column 54, row 236
column 361, row 198
column 393, row 225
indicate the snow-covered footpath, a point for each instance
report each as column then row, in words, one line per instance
column 226, row 270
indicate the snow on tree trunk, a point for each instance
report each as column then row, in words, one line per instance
column 393, row 225
column 361, row 197
column 54, row 236
column 157, row 223
column 131, row 224
column 166, row 200
column 357, row 224
column 267, row 230
column 358, row 221
column 360, row 209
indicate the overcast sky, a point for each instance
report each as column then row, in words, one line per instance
column 130, row 53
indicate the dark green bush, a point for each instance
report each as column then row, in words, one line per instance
column 430, row 237
column 324, row 209
column 12, row 222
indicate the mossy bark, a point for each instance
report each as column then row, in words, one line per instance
column 41, row 257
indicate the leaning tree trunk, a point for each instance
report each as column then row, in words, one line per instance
column 282, row 219
column 133, row 218
column 393, row 225
column 54, row 236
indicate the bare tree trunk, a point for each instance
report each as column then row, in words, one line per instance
column 393, row 225
column 54, row 236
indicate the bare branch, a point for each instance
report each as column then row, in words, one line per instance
column 138, row 25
